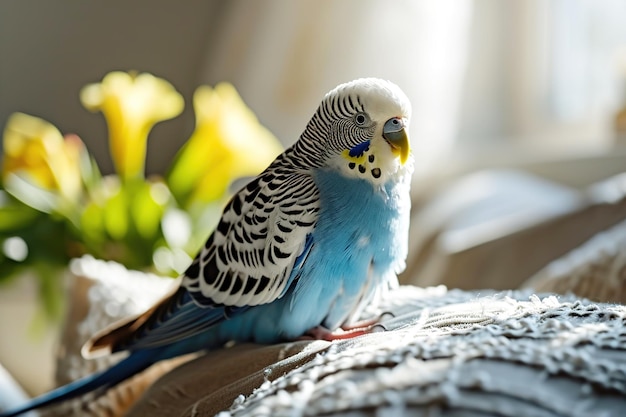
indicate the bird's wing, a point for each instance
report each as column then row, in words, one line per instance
column 175, row 318
column 251, row 258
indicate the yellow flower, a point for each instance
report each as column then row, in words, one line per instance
column 132, row 105
column 227, row 143
column 35, row 150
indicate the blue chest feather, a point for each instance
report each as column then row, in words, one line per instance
column 357, row 220
column 359, row 242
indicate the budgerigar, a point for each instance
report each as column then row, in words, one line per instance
column 301, row 249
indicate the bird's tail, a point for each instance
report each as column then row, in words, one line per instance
column 98, row 382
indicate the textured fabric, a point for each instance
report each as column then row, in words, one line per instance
column 447, row 352
column 443, row 352
column 103, row 293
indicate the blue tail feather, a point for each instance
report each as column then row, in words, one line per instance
column 98, row 382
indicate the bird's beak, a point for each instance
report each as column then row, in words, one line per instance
column 394, row 132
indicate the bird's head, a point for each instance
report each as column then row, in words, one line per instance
column 361, row 130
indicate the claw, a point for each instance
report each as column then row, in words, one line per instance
column 361, row 324
column 358, row 328
column 385, row 315
column 322, row 333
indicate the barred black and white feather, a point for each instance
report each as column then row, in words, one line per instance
column 249, row 258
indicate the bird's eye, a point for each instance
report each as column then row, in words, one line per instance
column 361, row 119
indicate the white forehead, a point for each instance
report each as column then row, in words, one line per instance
column 380, row 98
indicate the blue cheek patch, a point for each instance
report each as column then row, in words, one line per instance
column 359, row 149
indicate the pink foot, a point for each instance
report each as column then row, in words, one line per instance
column 361, row 324
column 322, row 333
column 345, row 332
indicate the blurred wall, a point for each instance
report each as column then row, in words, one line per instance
column 282, row 57
column 49, row 50
column 480, row 74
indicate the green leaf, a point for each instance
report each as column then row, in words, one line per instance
column 92, row 224
column 9, row 269
column 14, row 215
column 92, row 177
column 116, row 215
column 182, row 175
column 146, row 211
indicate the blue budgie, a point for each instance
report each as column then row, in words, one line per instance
column 300, row 250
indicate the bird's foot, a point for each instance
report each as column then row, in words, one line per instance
column 322, row 333
column 358, row 328
column 375, row 321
